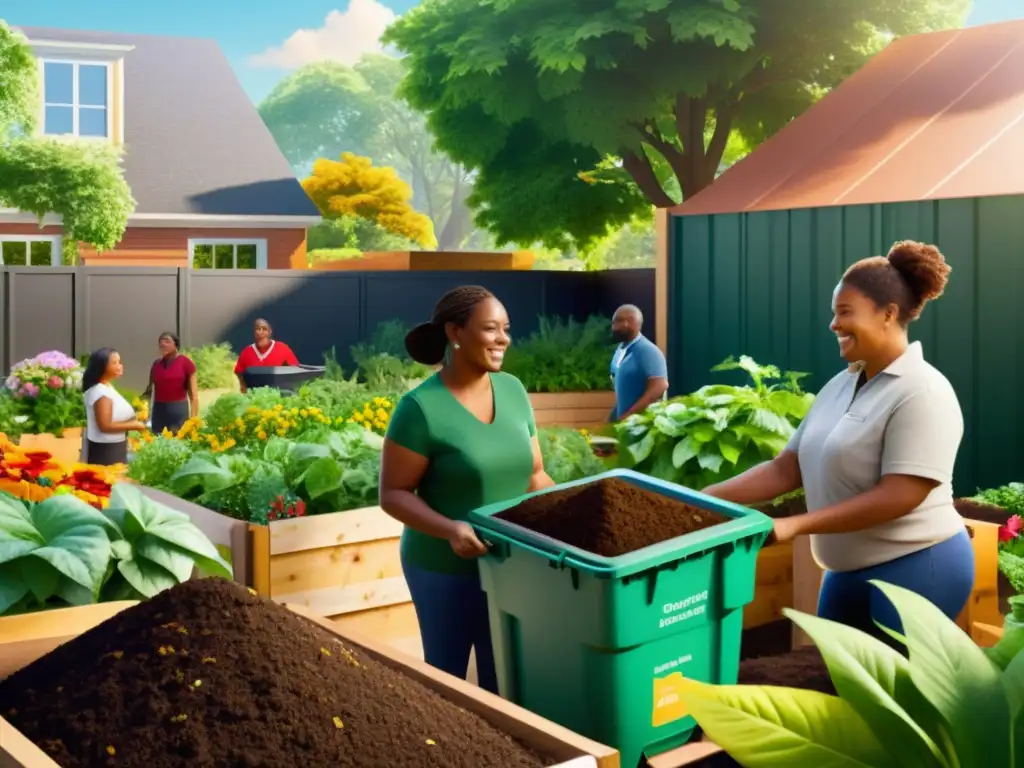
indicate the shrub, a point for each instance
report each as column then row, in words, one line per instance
column 215, row 365
column 564, row 356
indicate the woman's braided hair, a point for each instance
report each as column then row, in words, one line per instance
column 427, row 342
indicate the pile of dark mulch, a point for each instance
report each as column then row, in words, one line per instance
column 206, row 674
column 609, row 517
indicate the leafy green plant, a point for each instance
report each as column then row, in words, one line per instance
column 383, row 364
column 330, row 469
column 215, row 365
column 718, row 431
column 64, row 552
column 950, row 704
column 563, row 356
column 155, row 463
column 567, row 454
column 1009, row 497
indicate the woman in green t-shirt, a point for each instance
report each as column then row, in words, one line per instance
column 463, row 438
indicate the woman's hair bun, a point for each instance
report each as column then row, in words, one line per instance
column 426, row 343
column 923, row 268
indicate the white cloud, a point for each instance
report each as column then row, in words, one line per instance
column 344, row 37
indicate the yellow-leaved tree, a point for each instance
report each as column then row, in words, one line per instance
column 353, row 186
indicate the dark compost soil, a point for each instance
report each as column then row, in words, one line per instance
column 206, row 674
column 609, row 517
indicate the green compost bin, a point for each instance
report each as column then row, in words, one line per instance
column 598, row 644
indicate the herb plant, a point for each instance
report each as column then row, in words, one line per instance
column 62, row 551
column 563, row 356
column 718, row 431
column 950, row 704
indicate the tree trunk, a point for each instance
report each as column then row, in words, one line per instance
column 639, row 167
column 459, row 218
column 694, row 164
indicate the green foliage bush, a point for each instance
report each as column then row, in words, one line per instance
column 215, row 365
column 564, row 356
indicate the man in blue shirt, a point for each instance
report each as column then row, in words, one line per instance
column 638, row 369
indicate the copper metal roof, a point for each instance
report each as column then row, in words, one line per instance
column 932, row 116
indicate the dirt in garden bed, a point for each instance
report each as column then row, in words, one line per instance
column 984, row 513
column 206, row 674
column 609, row 517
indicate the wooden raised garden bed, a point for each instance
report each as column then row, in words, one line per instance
column 572, row 409
column 343, row 565
column 545, row 737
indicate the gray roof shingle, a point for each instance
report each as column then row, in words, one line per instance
column 194, row 142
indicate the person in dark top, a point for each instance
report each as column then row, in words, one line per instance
column 172, row 386
column 264, row 351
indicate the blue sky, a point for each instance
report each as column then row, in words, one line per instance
column 248, row 28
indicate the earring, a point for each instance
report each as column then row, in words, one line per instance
column 457, row 346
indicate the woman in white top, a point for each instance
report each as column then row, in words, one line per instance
column 875, row 454
column 109, row 417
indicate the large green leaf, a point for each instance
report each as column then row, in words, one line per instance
column 201, row 474
column 41, row 577
column 639, row 451
column 12, row 586
column 875, row 680
column 956, row 677
column 15, row 520
column 170, row 558
column 146, row 577
column 1009, row 646
column 767, row 727
column 322, row 477
column 685, row 450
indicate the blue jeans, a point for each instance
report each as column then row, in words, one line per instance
column 452, row 613
column 942, row 573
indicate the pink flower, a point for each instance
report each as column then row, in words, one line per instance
column 1012, row 529
column 55, row 382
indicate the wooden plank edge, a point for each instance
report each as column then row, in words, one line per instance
column 338, row 601
column 688, row 754
column 353, row 526
column 504, row 715
column 16, row 751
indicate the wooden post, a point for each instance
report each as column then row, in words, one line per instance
column 807, row 576
column 662, row 219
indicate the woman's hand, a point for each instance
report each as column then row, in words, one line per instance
column 464, row 541
column 784, row 530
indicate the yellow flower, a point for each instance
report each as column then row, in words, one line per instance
column 261, row 434
column 358, row 417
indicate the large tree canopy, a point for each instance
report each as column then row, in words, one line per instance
column 580, row 114
column 81, row 181
column 327, row 108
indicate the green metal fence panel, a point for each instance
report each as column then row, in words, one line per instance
column 761, row 284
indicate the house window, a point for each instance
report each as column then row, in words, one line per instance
column 76, row 99
column 30, row 250
column 228, row 254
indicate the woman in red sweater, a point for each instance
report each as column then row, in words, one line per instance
column 173, row 387
column 265, row 351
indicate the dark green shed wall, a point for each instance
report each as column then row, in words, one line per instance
column 761, row 284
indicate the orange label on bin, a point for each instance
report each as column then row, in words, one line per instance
column 668, row 704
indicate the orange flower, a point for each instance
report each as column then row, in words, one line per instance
column 23, row 489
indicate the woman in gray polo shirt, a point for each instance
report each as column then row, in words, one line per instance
column 875, row 454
